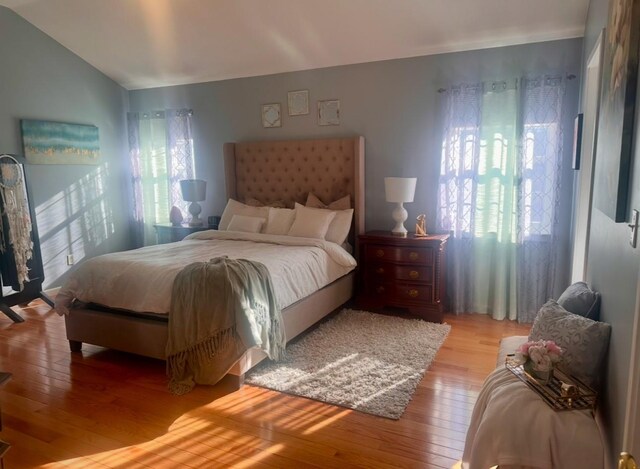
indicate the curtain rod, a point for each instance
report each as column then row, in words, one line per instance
column 569, row 76
column 179, row 112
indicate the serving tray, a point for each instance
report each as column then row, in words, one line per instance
column 551, row 393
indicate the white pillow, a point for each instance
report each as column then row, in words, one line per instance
column 247, row 224
column 340, row 226
column 279, row 221
column 311, row 222
column 238, row 208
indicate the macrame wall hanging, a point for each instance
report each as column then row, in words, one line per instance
column 20, row 260
column 16, row 210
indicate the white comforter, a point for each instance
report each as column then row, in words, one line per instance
column 141, row 280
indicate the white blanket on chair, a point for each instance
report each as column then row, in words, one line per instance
column 512, row 426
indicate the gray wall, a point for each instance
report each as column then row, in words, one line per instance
column 81, row 209
column 394, row 104
column 613, row 270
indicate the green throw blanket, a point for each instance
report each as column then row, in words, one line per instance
column 219, row 310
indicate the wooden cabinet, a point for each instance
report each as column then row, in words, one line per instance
column 403, row 272
column 167, row 233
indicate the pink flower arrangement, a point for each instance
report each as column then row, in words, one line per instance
column 543, row 354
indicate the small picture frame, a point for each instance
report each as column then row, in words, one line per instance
column 577, row 141
column 329, row 112
column 271, row 115
column 298, row 102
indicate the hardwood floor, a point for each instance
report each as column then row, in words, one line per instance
column 103, row 408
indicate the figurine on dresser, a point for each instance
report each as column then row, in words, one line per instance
column 421, row 225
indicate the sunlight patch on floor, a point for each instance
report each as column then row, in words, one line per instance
column 326, row 422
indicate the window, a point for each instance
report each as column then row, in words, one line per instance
column 161, row 151
column 498, row 179
column 499, row 195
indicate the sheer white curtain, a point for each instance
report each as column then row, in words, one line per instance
column 161, row 154
column 499, row 194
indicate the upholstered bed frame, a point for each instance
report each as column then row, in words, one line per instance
column 268, row 171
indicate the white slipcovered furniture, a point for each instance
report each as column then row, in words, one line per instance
column 512, row 427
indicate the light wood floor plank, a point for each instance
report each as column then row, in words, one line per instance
column 107, row 409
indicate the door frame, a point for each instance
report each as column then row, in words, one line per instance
column 583, row 194
column 631, row 435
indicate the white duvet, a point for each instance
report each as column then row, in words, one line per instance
column 141, row 280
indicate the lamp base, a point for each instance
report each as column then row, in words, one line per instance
column 194, row 210
column 399, row 215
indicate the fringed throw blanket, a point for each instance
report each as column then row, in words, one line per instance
column 219, row 310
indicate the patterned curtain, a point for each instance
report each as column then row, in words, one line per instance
column 499, row 193
column 541, row 255
column 133, row 130
column 179, row 153
column 161, row 154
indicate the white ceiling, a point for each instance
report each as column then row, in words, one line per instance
column 150, row 43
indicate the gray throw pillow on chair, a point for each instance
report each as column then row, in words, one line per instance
column 581, row 300
column 584, row 342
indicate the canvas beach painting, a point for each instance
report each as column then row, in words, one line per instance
column 59, row 143
column 617, row 108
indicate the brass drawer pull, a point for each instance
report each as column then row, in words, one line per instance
column 414, row 274
column 413, row 293
column 380, row 289
column 413, row 256
column 380, row 270
column 379, row 253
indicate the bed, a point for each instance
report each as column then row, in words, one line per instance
column 268, row 171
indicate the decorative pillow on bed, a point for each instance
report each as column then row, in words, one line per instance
column 342, row 203
column 246, row 224
column 583, row 340
column 238, row 208
column 581, row 300
column 280, row 221
column 339, row 227
column 311, row 222
column 250, row 201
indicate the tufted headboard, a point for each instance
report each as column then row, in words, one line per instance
column 288, row 170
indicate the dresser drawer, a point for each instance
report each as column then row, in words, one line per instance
column 390, row 272
column 400, row 291
column 423, row 256
column 410, row 292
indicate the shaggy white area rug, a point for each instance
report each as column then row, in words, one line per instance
column 364, row 361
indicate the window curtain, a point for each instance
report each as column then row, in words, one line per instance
column 499, row 194
column 161, row 153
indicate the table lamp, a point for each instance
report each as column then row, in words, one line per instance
column 399, row 191
column 194, row 191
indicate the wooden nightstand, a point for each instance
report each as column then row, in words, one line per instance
column 403, row 272
column 167, row 233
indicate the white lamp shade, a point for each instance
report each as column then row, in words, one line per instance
column 400, row 189
column 193, row 190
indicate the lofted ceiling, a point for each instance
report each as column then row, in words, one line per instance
column 151, row 43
